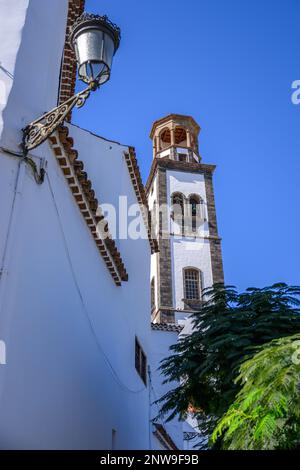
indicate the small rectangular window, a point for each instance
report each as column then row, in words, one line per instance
column 152, row 294
column 182, row 157
column 140, row 361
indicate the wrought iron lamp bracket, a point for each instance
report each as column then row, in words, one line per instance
column 39, row 130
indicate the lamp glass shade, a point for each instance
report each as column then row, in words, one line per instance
column 95, row 41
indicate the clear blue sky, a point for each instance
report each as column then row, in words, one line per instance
column 230, row 65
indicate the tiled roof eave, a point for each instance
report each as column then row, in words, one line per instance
column 169, row 327
column 138, row 187
column 164, row 437
column 84, row 196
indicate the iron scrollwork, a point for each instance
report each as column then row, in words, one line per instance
column 39, row 130
column 86, row 17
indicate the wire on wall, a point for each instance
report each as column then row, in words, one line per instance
column 91, row 325
column 39, row 175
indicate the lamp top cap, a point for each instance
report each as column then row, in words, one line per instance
column 178, row 119
column 88, row 20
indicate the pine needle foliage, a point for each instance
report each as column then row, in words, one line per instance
column 226, row 332
column 266, row 412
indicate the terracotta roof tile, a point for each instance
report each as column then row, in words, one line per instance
column 164, row 437
column 170, row 327
column 86, row 201
column 138, row 186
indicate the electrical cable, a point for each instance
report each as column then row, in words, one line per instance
column 162, row 421
column 113, row 372
column 10, row 219
column 39, row 176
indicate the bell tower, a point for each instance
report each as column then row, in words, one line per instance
column 181, row 199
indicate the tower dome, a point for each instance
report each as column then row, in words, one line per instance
column 176, row 137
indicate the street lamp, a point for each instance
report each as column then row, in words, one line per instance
column 95, row 39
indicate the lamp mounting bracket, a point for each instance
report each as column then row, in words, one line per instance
column 39, row 130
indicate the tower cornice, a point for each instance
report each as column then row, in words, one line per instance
column 167, row 163
column 174, row 117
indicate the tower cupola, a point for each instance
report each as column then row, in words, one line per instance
column 176, row 137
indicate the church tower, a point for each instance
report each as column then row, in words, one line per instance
column 181, row 199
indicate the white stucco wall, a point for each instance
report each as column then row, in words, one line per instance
column 154, row 274
column 188, row 251
column 161, row 342
column 187, row 184
column 11, row 26
column 70, row 376
column 31, row 44
column 58, row 304
column 179, row 150
column 152, row 195
column 152, row 199
column 192, row 251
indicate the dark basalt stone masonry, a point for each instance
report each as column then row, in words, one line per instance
column 214, row 241
column 159, row 168
column 166, row 163
column 68, row 65
column 165, row 295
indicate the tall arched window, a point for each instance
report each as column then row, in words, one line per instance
column 192, row 284
column 195, row 211
column 178, row 209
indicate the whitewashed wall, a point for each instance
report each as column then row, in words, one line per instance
column 189, row 251
column 31, row 44
column 152, row 199
column 57, row 390
column 69, row 331
column 187, row 184
column 161, row 342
